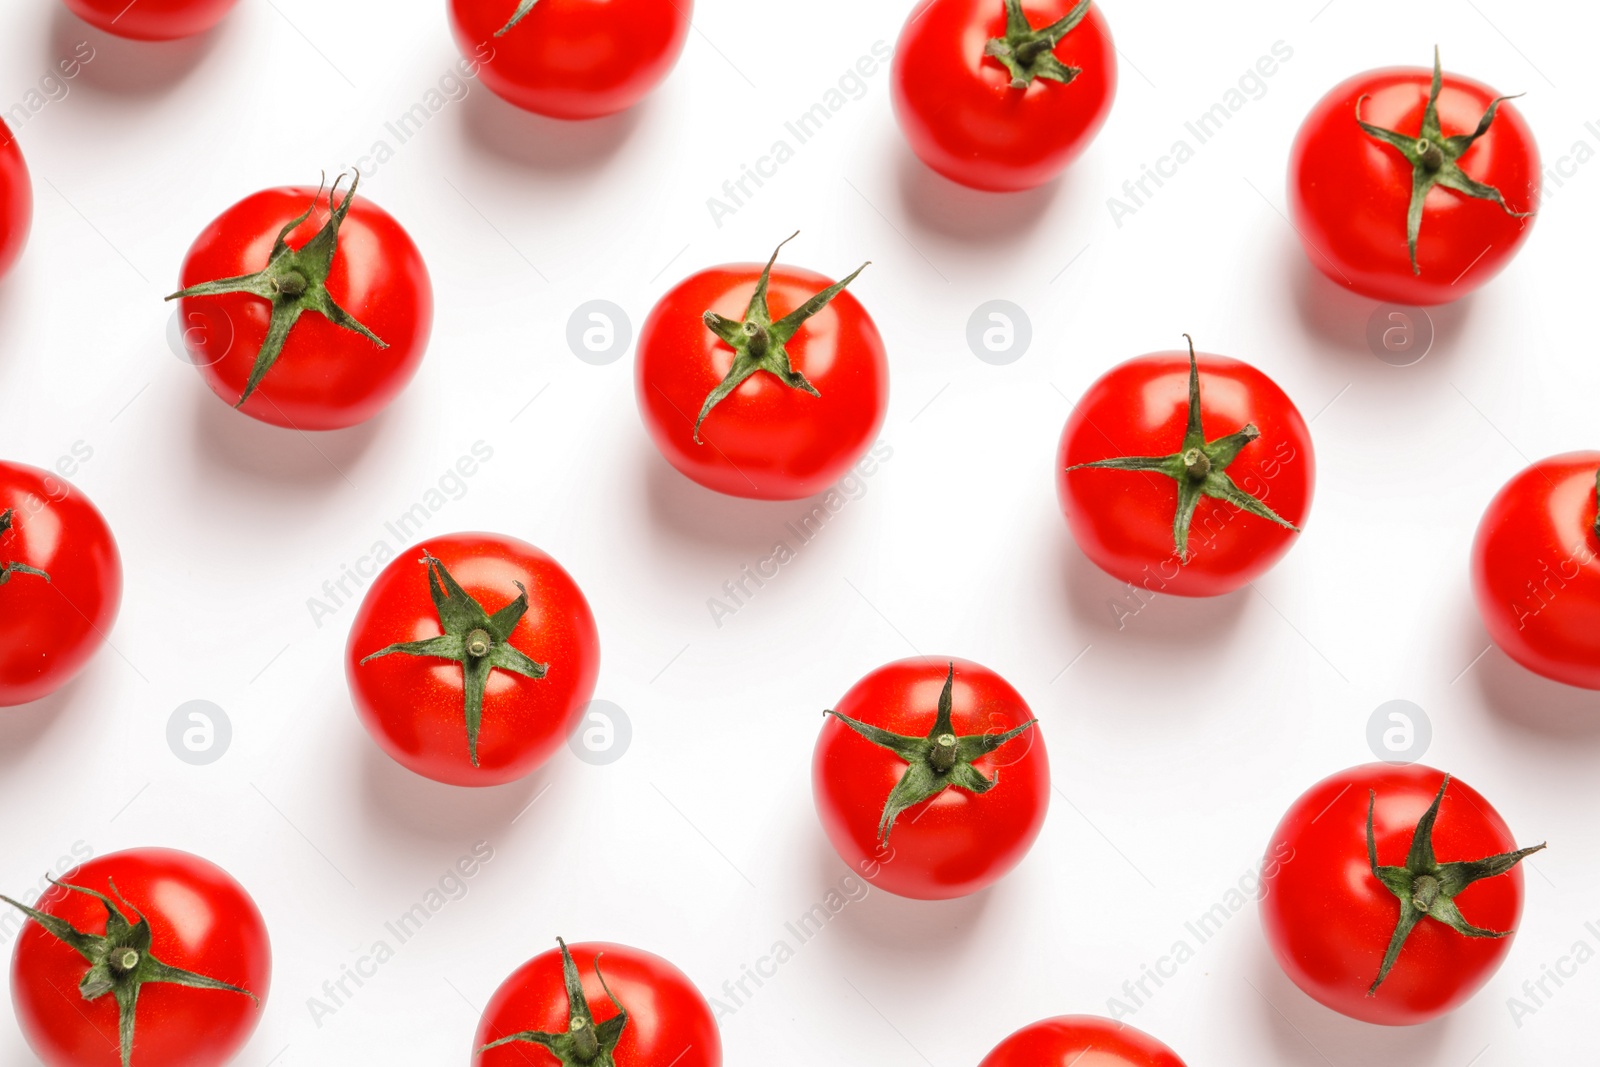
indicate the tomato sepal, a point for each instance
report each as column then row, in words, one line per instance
column 759, row 342
column 1427, row 888
column 584, row 1044
column 1200, row 468
column 480, row 642
column 120, row 960
column 8, row 569
column 516, row 16
column 1029, row 53
column 936, row 762
column 294, row 281
column 1433, row 158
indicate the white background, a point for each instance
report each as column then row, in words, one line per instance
column 1176, row 742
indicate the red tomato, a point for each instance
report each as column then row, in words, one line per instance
column 472, row 618
column 930, row 778
column 60, row 582
column 360, row 268
column 1335, row 924
column 809, row 383
column 1128, row 519
column 634, row 1005
column 152, row 20
column 16, row 200
column 1350, row 188
column 147, row 907
column 572, row 59
column 1080, row 1041
column 1536, row 569
column 986, row 101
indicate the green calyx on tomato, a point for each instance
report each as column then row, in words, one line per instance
column 8, row 569
column 1433, row 158
column 521, row 13
column 1428, row 888
column 759, row 342
column 1200, row 468
column 120, row 961
column 933, row 763
column 480, row 642
column 585, row 1043
column 1029, row 53
column 294, row 281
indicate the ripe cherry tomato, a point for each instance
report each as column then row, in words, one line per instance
column 1003, row 94
column 1536, row 569
column 762, row 382
column 16, row 200
column 169, row 933
column 1185, row 475
column 472, row 658
column 152, row 20
column 1080, row 1041
column 572, row 59
column 60, row 582
column 1391, row 892
column 931, row 778
column 306, row 308
column 637, row 1008
column 1389, row 141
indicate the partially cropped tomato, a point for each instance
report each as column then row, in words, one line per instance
column 1185, row 474
column 472, row 658
column 16, row 200
column 930, row 778
column 1080, row 1041
column 593, row 1003
column 1003, row 94
column 1411, row 186
column 762, row 382
column 572, row 59
column 306, row 308
column 60, row 582
column 1536, row 569
column 151, row 20
column 1390, row 893
column 144, row 958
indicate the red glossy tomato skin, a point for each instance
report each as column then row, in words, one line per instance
column 574, row 59
column 764, row 440
column 1536, row 569
column 201, row 920
column 955, row 843
column 1329, row 921
column 669, row 1022
column 152, row 20
column 327, row 378
column 49, row 630
column 959, row 112
column 1080, row 1041
column 16, row 200
column 413, row 706
column 1123, row 520
column 1349, row 194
